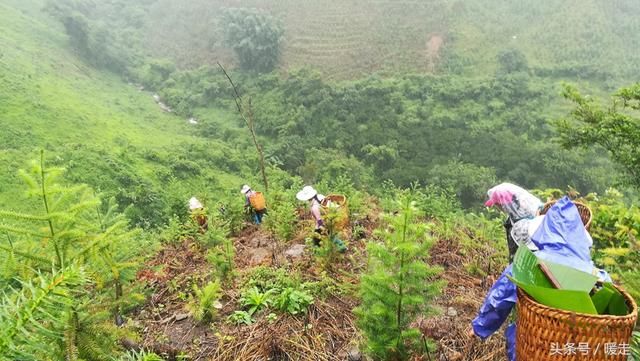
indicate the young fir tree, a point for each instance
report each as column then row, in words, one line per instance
column 60, row 233
column 398, row 285
column 53, row 246
column 112, row 256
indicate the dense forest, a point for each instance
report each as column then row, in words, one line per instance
column 115, row 113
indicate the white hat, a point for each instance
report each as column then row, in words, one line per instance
column 306, row 193
column 194, row 203
column 245, row 189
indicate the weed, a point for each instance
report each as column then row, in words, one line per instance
column 293, row 301
column 255, row 300
column 265, row 278
column 202, row 306
column 241, row 317
column 140, row 356
column 272, row 317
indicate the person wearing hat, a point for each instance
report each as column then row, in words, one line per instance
column 250, row 203
column 308, row 193
column 198, row 213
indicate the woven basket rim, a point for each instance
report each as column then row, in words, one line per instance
column 632, row 314
column 578, row 204
column 338, row 198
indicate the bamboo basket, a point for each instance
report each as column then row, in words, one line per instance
column 258, row 202
column 342, row 218
column 540, row 327
column 585, row 212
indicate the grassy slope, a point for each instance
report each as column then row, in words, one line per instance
column 347, row 39
column 49, row 98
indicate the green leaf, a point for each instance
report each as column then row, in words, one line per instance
column 568, row 300
column 617, row 305
column 601, row 299
column 576, row 284
column 571, row 278
column 526, row 269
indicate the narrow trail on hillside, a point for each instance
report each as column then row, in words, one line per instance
column 326, row 332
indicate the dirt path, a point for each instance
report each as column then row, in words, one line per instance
column 433, row 50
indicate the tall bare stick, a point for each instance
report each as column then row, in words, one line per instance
column 249, row 122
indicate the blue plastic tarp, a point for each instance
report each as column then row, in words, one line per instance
column 562, row 238
column 510, row 335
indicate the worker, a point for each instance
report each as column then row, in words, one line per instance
column 254, row 203
column 198, row 214
column 560, row 238
column 522, row 209
column 308, row 193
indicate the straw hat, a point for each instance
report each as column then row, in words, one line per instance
column 194, row 203
column 245, row 189
column 306, row 193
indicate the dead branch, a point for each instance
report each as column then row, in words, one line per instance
column 249, row 122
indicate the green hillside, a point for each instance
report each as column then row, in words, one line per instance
column 586, row 37
column 88, row 120
column 476, row 115
column 479, row 116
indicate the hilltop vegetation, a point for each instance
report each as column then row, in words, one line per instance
column 350, row 39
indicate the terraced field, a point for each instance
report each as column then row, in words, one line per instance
column 349, row 38
column 344, row 39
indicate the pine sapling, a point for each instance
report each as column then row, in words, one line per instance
column 398, row 285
